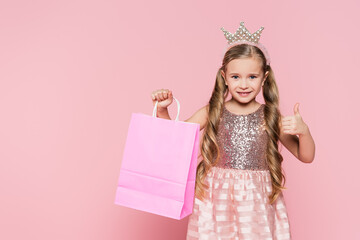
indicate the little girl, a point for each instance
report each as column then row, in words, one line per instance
column 238, row 192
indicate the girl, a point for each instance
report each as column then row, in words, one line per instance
column 238, row 192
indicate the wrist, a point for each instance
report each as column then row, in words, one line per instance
column 306, row 131
column 161, row 109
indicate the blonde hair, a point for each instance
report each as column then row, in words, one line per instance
column 209, row 147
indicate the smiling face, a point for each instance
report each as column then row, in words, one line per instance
column 244, row 76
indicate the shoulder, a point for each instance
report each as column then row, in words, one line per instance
column 200, row 116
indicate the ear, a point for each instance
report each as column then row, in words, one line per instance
column 265, row 76
column 223, row 75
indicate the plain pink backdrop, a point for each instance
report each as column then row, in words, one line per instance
column 72, row 72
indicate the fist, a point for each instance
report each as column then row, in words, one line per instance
column 294, row 124
column 163, row 96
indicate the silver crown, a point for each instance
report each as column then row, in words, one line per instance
column 242, row 34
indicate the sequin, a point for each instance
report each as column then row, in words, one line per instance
column 242, row 139
column 236, row 204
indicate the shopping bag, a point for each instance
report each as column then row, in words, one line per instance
column 158, row 169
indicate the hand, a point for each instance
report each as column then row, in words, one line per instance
column 294, row 125
column 163, row 96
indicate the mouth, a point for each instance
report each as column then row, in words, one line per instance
column 244, row 94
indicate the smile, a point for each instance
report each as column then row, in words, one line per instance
column 244, row 94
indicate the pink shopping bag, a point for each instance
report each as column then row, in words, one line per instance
column 158, row 169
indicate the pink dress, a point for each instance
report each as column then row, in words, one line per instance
column 236, row 205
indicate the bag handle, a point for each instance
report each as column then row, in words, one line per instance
column 178, row 107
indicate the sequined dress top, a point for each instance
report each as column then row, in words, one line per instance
column 242, row 140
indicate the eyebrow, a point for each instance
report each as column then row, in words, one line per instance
column 249, row 73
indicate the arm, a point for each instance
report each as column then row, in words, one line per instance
column 163, row 96
column 302, row 147
column 163, row 113
column 200, row 117
column 306, row 146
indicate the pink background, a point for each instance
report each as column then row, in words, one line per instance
column 72, row 72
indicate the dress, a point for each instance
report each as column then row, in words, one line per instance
column 236, row 204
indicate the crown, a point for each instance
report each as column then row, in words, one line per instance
column 242, row 35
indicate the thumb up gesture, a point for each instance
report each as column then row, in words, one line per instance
column 294, row 124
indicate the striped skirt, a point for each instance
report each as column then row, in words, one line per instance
column 237, row 207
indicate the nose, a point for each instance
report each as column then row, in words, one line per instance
column 243, row 84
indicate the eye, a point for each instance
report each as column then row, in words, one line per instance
column 250, row 77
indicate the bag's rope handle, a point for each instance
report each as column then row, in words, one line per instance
column 178, row 107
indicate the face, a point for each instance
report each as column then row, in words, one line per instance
column 244, row 75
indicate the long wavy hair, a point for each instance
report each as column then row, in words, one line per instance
column 209, row 147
